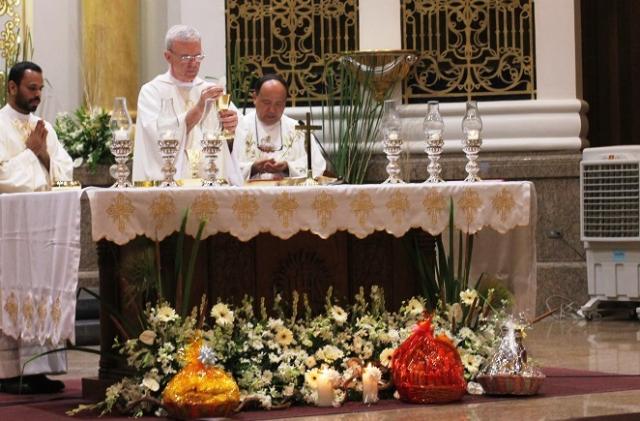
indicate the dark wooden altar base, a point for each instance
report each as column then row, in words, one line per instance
column 229, row 269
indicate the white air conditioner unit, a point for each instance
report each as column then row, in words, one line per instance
column 610, row 224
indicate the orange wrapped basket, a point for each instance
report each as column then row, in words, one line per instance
column 428, row 369
column 200, row 390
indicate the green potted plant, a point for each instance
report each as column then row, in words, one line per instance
column 86, row 135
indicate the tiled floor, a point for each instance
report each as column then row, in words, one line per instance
column 609, row 345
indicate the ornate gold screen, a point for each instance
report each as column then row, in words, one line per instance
column 469, row 48
column 296, row 38
column 11, row 25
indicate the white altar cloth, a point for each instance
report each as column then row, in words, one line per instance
column 39, row 259
column 121, row 215
column 504, row 207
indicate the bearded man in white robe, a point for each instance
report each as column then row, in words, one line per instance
column 267, row 144
column 31, row 159
column 189, row 94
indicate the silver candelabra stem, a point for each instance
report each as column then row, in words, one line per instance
column 471, row 148
column 210, row 148
column 168, row 150
column 393, row 149
column 121, row 149
column 434, row 150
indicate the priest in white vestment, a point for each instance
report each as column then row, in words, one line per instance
column 31, row 159
column 267, row 144
column 189, row 93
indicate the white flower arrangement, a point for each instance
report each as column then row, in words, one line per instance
column 277, row 360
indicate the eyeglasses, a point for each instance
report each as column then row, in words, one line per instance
column 187, row 58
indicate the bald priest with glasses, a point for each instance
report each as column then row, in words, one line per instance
column 189, row 93
column 267, row 144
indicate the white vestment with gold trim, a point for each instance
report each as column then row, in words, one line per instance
column 288, row 142
column 147, row 160
column 20, row 168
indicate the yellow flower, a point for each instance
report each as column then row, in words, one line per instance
column 166, row 314
column 415, row 307
column 338, row 314
column 222, row 314
column 386, row 356
column 468, row 296
column 284, row 336
column 311, row 378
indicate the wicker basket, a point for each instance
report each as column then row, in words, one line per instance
column 429, row 394
column 427, row 369
column 506, row 384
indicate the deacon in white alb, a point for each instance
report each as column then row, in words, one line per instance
column 267, row 145
column 31, row 157
column 189, row 93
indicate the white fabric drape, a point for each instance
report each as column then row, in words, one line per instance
column 39, row 259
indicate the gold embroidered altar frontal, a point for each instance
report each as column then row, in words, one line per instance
column 121, row 215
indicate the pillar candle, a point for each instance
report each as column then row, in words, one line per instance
column 370, row 378
column 324, row 389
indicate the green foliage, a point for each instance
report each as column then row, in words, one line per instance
column 353, row 119
column 442, row 280
column 241, row 80
column 151, row 281
column 85, row 134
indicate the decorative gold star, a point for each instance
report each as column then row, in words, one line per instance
column 56, row 311
column 324, row 205
column 120, row 210
column 245, row 207
column 11, row 307
column 285, row 205
column 28, row 311
column 470, row 203
column 398, row 205
column 434, row 203
column 503, row 203
column 362, row 207
column 204, row 206
column 162, row 207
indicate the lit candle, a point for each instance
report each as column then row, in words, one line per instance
column 435, row 136
column 370, row 378
column 324, row 389
column 473, row 134
column 121, row 134
column 167, row 135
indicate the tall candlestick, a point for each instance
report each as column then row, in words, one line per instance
column 307, row 141
column 370, row 378
column 324, row 389
column 121, row 134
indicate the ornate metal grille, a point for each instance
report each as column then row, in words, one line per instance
column 298, row 39
column 469, row 48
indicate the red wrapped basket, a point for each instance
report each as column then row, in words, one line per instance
column 428, row 369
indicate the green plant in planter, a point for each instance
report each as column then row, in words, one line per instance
column 353, row 119
column 86, row 136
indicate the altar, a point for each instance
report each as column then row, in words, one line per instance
column 259, row 241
